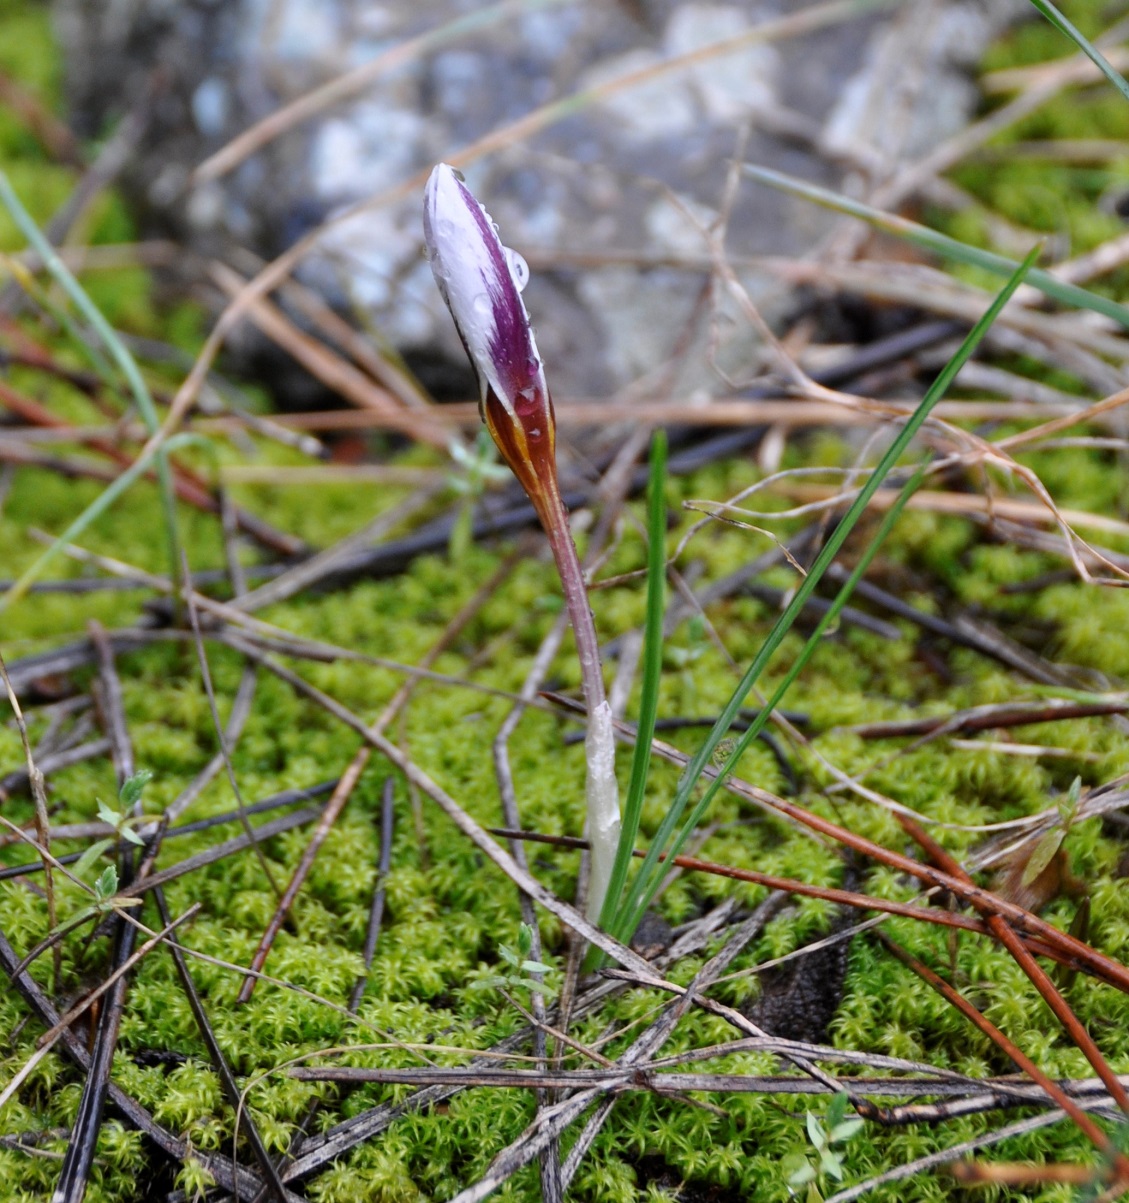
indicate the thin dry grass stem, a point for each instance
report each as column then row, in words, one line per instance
column 1066, row 422
column 1004, row 933
column 810, row 19
column 988, row 904
column 18, row 780
column 220, row 852
column 110, row 256
column 1035, row 91
column 1085, row 1124
column 980, row 1173
column 256, row 632
column 652, row 409
column 341, row 88
column 290, row 797
column 988, row 718
column 713, row 235
column 328, row 474
column 55, row 136
column 1075, row 70
column 347, row 783
column 309, row 571
column 219, row 1061
column 47, row 1041
column 42, row 817
column 929, row 289
column 188, row 485
column 110, row 704
column 326, row 365
column 227, row 1175
column 945, row 1156
column 1103, row 259
column 326, row 820
column 819, row 497
column 376, row 909
column 550, row 1168
column 920, row 911
column 224, row 747
column 963, row 1097
column 392, row 376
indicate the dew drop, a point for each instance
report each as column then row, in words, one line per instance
column 519, row 269
column 483, row 305
column 526, row 402
column 445, row 228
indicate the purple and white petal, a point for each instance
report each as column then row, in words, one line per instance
column 481, row 281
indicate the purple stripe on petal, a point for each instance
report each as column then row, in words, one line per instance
column 475, row 274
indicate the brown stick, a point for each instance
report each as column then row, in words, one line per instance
column 985, row 1025
column 1000, row 928
column 790, row 885
column 348, row 781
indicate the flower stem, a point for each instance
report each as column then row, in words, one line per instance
column 601, row 789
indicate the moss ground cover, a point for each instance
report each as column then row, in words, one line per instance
column 448, row 910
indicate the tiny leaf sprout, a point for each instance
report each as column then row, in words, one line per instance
column 105, row 885
column 104, row 890
column 522, row 973
column 837, row 1127
column 122, row 821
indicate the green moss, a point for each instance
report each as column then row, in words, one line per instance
column 448, row 910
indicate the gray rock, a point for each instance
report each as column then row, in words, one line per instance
column 608, row 201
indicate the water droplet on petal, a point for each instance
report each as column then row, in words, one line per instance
column 445, row 228
column 483, row 305
column 533, row 365
column 519, row 269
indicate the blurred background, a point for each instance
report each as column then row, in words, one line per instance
column 601, row 136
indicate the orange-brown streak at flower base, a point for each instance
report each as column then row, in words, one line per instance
column 533, row 462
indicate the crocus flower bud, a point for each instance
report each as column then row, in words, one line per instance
column 481, row 281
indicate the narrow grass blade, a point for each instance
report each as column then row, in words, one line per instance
column 940, row 244
column 652, row 671
column 1048, row 10
column 125, row 362
column 647, row 880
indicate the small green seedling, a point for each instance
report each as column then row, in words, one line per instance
column 105, row 888
column 122, row 821
column 520, row 968
column 836, row 1129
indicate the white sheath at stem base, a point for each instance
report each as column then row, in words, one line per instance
column 603, row 805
